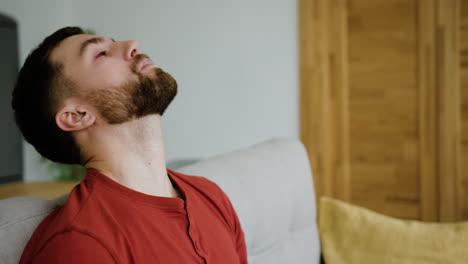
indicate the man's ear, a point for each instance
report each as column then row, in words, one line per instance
column 73, row 117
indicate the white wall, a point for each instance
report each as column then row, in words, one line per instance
column 235, row 62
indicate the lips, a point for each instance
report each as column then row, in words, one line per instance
column 145, row 64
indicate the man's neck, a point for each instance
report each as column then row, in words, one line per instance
column 132, row 154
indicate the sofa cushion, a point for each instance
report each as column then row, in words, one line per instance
column 19, row 217
column 351, row 234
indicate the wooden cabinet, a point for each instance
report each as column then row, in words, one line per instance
column 384, row 104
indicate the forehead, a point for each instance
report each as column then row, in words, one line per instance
column 68, row 48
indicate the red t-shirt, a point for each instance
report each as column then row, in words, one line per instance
column 105, row 222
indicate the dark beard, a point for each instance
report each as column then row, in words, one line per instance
column 151, row 94
column 154, row 95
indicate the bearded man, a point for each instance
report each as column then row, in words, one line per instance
column 90, row 100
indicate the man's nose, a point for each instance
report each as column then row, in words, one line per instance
column 132, row 49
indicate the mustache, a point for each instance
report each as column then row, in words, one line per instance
column 136, row 61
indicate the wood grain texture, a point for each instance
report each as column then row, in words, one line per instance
column 449, row 109
column 384, row 106
column 463, row 48
column 324, row 94
column 428, row 108
column 339, row 99
column 311, row 79
column 384, row 109
column 44, row 190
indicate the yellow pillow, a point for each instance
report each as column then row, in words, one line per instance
column 354, row 235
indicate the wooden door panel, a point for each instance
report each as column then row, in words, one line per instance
column 383, row 99
column 464, row 107
column 384, row 104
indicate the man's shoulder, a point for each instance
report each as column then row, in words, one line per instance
column 202, row 185
column 59, row 221
column 198, row 182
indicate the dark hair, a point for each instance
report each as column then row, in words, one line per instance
column 36, row 97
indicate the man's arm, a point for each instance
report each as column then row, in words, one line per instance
column 73, row 247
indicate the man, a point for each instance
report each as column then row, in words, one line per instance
column 93, row 101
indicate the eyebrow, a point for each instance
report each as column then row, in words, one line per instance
column 90, row 41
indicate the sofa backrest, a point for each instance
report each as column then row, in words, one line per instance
column 19, row 217
column 269, row 184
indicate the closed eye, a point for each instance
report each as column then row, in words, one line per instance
column 100, row 54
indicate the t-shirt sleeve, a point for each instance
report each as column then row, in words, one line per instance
column 73, row 247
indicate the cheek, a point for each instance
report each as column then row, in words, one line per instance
column 106, row 77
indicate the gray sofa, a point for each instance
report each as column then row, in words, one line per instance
column 269, row 184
